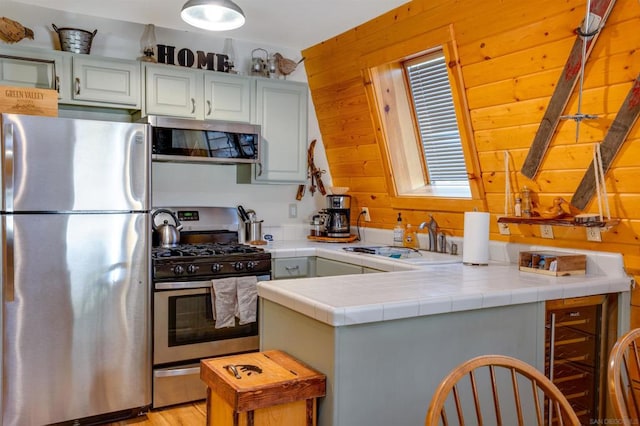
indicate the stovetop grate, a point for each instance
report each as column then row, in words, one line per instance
column 203, row 250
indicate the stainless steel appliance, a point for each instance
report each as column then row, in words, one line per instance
column 76, row 341
column 195, row 141
column 338, row 216
column 183, row 323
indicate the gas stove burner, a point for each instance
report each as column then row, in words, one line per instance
column 208, row 260
column 204, row 250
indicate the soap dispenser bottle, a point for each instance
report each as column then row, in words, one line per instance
column 398, row 232
column 410, row 237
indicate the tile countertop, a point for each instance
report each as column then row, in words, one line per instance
column 410, row 290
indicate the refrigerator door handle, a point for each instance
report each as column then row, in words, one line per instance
column 7, row 199
column 7, row 259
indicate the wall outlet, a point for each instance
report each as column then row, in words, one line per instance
column 367, row 217
column 503, row 228
column 546, row 231
column 593, row 233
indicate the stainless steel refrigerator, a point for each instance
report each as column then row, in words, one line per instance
column 75, row 269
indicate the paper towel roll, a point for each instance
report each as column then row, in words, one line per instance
column 475, row 249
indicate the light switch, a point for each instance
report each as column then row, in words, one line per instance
column 293, row 211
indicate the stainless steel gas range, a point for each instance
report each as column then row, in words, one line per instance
column 184, row 325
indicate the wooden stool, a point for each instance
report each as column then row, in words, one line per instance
column 261, row 389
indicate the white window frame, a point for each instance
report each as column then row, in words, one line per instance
column 435, row 116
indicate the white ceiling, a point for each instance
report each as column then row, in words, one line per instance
column 297, row 24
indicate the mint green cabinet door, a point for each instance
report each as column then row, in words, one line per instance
column 328, row 268
column 25, row 67
column 173, row 91
column 282, row 113
column 107, row 81
column 227, row 97
column 290, row 267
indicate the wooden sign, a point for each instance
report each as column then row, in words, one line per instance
column 29, row 101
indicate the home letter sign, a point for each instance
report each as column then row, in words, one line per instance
column 186, row 58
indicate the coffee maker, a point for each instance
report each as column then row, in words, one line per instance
column 338, row 216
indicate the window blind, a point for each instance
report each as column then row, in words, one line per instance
column 436, row 116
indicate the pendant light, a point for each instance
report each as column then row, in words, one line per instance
column 213, row 15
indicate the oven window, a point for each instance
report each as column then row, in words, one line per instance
column 204, row 143
column 191, row 321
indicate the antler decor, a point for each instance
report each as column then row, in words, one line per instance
column 315, row 174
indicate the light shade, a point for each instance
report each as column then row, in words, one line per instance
column 212, row 15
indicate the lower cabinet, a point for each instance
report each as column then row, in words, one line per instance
column 292, row 267
column 329, row 268
column 579, row 334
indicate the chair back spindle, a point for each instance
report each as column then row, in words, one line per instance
column 519, row 395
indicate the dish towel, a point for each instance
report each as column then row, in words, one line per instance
column 247, row 299
column 223, row 301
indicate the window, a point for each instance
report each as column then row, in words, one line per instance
column 424, row 126
column 436, row 120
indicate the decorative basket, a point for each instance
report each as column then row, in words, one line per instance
column 75, row 40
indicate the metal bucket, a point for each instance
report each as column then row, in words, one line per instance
column 74, row 40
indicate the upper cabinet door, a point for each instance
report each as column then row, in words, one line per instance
column 112, row 81
column 227, row 97
column 32, row 68
column 173, row 91
column 281, row 110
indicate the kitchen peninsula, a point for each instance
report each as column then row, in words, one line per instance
column 386, row 340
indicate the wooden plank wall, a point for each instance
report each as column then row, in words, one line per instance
column 511, row 54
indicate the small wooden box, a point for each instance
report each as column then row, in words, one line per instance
column 552, row 263
column 261, row 388
column 29, row 101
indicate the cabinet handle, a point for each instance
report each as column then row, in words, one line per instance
column 57, row 84
column 77, row 85
column 193, row 105
column 292, row 268
column 208, row 108
column 259, row 169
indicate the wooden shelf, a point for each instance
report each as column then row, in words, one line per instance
column 568, row 221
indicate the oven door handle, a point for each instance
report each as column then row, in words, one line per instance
column 185, row 285
column 176, row 285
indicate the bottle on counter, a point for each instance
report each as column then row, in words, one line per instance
column 517, row 208
column 398, row 232
column 526, row 202
column 410, row 237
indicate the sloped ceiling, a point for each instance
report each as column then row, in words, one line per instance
column 297, row 24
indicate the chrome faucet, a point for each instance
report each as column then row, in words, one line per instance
column 432, row 228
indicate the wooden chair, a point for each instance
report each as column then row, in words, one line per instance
column 623, row 378
column 519, row 394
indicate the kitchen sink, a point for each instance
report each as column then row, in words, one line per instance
column 406, row 254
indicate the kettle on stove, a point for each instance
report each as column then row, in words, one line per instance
column 168, row 234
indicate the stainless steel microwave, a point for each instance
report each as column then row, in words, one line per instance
column 200, row 141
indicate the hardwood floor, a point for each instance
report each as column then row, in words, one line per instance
column 194, row 413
